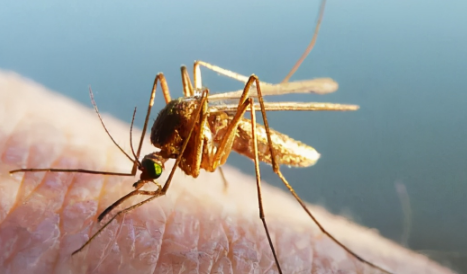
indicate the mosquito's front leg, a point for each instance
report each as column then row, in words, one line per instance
column 153, row 194
column 165, row 91
column 138, row 185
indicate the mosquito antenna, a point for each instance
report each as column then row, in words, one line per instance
column 131, row 138
column 103, row 125
column 310, row 46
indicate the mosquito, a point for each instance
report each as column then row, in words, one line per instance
column 200, row 134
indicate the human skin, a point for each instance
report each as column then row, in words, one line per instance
column 196, row 228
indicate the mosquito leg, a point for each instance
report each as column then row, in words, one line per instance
column 165, row 91
column 187, row 86
column 276, row 169
column 225, row 147
column 199, row 137
column 124, row 198
column 224, row 179
column 197, row 76
column 153, row 194
column 70, row 171
column 227, row 141
column 258, row 181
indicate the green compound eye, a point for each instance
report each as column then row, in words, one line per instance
column 157, row 170
column 153, row 169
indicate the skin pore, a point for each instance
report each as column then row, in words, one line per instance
column 196, row 227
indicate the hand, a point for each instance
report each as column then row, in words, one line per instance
column 44, row 217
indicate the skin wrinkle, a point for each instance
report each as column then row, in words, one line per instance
column 61, row 224
column 198, row 246
column 224, row 247
column 99, row 199
column 159, row 242
column 247, row 249
column 212, row 240
column 192, row 222
column 230, row 255
column 164, row 226
column 30, row 197
column 164, row 234
column 236, row 211
column 221, row 260
column 67, row 197
column 25, row 156
column 72, row 179
column 221, row 245
column 200, row 253
column 110, row 242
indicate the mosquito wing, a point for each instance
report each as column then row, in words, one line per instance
column 318, row 86
column 284, row 106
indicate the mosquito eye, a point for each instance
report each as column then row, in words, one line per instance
column 153, row 169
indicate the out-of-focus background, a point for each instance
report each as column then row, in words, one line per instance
column 399, row 164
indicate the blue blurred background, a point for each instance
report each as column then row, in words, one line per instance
column 403, row 62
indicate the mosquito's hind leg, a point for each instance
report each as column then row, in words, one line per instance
column 258, row 180
column 225, row 147
column 276, row 169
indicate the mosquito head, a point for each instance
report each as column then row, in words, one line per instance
column 151, row 166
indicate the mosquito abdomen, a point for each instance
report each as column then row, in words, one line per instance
column 287, row 150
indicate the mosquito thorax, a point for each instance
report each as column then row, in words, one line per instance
column 172, row 125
